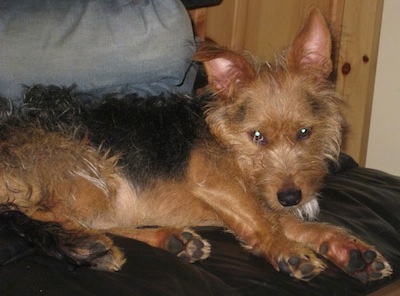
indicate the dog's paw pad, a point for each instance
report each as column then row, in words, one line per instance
column 379, row 268
column 368, row 265
column 174, row 245
column 356, row 261
column 110, row 261
column 356, row 258
column 369, row 256
column 189, row 246
column 187, row 235
column 302, row 268
column 307, row 269
column 294, row 260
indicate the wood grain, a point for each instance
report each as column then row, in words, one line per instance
column 265, row 27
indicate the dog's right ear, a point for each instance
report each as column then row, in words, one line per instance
column 226, row 70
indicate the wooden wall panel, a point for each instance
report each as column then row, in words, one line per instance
column 265, row 27
column 257, row 26
column 359, row 49
column 226, row 23
column 272, row 24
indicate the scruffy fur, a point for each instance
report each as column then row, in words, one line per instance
column 250, row 157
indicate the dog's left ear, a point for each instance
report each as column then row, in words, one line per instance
column 311, row 49
column 226, row 70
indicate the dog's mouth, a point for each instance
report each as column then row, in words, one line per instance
column 307, row 211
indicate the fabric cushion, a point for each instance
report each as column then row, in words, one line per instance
column 102, row 46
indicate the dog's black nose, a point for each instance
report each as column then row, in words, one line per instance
column 290, row 197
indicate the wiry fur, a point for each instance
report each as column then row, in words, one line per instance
column 250, row 157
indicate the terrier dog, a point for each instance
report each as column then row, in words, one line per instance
column 250, row 157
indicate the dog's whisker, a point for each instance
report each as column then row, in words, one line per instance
column 308, row 211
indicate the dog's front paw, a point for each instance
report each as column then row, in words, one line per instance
column 302, row 267
column 188, row 245
column 356, row 258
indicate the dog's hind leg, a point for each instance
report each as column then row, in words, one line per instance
column 184, row 243
column 76, row 245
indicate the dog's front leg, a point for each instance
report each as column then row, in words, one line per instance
column 258, row 230
column 351, row 254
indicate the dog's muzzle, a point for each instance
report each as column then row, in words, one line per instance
column 290, row 199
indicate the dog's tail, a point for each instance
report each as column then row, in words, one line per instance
column 76, row 247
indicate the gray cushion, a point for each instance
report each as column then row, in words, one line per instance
column 100, row 45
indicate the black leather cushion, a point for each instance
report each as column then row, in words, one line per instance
column 363, row 200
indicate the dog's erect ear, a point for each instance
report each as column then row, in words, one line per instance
column 225, row 69
column 311, row 49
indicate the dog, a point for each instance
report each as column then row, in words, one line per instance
column 250, row 156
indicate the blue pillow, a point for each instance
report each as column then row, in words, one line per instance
column 145, row 46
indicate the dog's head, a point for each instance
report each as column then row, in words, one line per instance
column 282, row 121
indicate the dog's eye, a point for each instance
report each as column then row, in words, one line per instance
column 258, row 138
column 303, row 133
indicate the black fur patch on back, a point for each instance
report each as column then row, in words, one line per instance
column 154, row 135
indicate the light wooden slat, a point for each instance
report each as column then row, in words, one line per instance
column 360, row 38
column 265, row 27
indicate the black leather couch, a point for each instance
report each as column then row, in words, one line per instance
column 363, row 200
column 366, row 201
